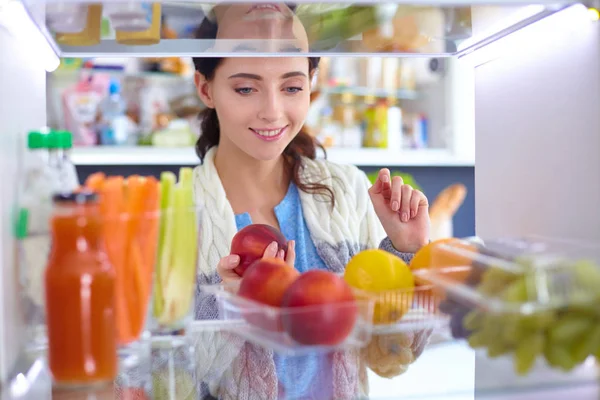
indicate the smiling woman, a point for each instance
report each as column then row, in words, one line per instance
column 259, row 166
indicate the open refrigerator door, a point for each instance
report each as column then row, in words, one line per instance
column 22, row 108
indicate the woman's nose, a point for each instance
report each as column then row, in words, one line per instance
column 271, row 108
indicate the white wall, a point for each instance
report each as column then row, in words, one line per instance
column 538, row 131
column 22, row 107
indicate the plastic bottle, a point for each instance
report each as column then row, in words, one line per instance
column 32, row 235
column 59, row 145
column 115, row 125
column 394, row 125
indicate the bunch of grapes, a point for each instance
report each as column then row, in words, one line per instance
column 458, row 309
column 534, row 318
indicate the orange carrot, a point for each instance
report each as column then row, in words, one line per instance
column 95, row 181
column 112, row 207
column 136, row 197
column 138, row 289
column 149, row 230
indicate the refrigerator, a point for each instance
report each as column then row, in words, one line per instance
column 536, row 66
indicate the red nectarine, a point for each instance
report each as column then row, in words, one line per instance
column 326, row 309
column 251, row 242
column 265, row 281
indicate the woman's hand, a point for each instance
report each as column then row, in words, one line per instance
column 402, row 210
column 227, row 264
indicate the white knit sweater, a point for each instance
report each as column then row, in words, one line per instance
column 233, row 369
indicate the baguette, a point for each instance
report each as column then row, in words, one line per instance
column 447, row 202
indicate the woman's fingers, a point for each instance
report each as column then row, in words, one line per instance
column 271, row 250
column 290, row 257
column 226, row 267
column 382, row 184
column 405, row 203
column 415, row 202
column 396, row 193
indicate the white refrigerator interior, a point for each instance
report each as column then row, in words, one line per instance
column 537, row 168
column 22, row 108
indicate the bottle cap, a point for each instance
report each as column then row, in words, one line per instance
column 60, row 140
column 114, row 87
column 37, row 140
column 65, row 139
column 52, row 140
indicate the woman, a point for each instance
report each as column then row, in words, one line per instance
column 259, row 166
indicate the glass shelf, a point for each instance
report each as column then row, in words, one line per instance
column 436, row 28
column 457, row 370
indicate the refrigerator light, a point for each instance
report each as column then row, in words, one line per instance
column 594, row 14
column 526, row 40
column 16, row 20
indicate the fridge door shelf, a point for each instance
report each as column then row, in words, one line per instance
column 438, row 28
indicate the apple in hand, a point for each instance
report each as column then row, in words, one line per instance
column 251, row 242
column 265, row 282
column 326, row 309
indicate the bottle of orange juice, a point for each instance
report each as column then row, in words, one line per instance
column 80, row 296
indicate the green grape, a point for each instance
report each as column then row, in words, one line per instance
column 558, row 357
column 586, row 345
column 473, row 320
column 498, row 348
column 477, row 340
column 516, row 292
column 540, row 320
column 527, row 352
column 569, row 328
column 511, row 329
column 587, row 274
column 494, row 280
column 492, row 327
column 589, row 309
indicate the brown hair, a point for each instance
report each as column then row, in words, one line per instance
column 303, row 144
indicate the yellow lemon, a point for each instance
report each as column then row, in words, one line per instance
column 387, row 277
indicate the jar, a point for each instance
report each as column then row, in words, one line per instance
column 80, row 296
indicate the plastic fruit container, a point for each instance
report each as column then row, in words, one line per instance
column 530, row 298
column 288, row 330
column 407, row 310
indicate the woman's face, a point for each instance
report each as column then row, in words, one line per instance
column 261, row 103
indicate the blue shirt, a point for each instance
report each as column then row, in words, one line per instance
column 300, row 376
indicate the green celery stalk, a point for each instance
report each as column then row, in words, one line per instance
column 179, row 287
column 167, row 184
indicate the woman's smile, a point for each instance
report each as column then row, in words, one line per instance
column 269, row 135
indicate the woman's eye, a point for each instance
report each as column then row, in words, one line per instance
column 293, row 89
column 244, row 90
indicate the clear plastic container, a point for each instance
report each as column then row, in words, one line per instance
column 530, row 298
column 407, row 310
column 66, row 17
column 289, row 331
column 130, row 16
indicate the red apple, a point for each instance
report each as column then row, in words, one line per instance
column 265, row 282
column 326, row 309
column 251, row 242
